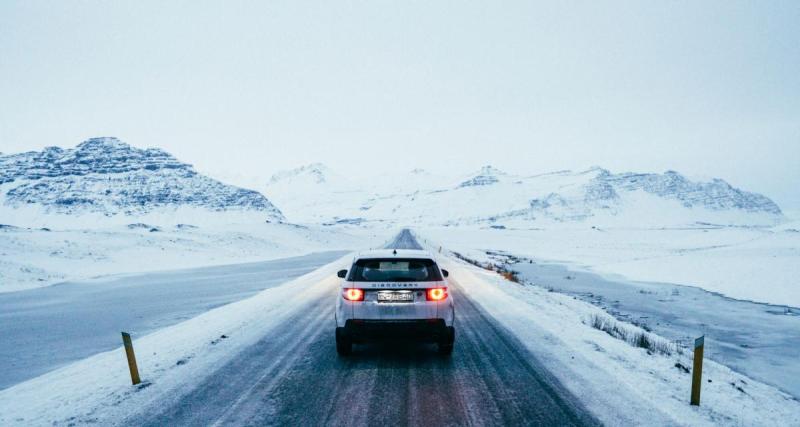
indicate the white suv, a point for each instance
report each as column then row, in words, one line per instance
column 394, row 293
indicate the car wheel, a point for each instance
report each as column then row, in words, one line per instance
column 446, row 344
column 344, row 345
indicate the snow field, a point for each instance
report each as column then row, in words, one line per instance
column 98, row 389
column 32, row 258
column 619, row 383
column 753, row 264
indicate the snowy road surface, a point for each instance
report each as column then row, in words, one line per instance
column 404, row 240
column 295, row 377
column 42, row 329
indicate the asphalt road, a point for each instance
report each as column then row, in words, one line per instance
column 404, row 240
column 43, row 329
column 295, row 377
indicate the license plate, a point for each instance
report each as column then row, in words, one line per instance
column 395, row 296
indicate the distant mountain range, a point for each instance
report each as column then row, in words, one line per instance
column 491, row 197
column 105, row 177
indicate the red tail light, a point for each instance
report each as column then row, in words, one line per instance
column 437, row 294
column 353, row 294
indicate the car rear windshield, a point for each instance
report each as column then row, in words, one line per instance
column 395, row 270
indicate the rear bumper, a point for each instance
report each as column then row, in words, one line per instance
column 428, row 330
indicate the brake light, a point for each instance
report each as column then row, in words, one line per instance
column 437, row 294
column 353, row 294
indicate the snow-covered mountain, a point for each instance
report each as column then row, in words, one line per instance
column 488, row 175
column 314, row 173
column 490, row 196
column 317, row 194
column 104, row 178
column 643, row 198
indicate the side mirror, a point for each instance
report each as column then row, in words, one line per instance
column 445, row 273
column 342, row 273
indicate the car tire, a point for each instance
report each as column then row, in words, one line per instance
column 344, row 345
column 446, row 344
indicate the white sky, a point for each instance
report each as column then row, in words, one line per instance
column 705, row 88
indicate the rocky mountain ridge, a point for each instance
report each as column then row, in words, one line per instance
column 109, row 177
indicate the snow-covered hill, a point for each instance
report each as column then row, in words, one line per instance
column 490, row 197
column 106, row 180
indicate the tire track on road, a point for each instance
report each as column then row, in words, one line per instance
column 296, row 378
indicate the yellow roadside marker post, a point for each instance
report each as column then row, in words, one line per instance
column 697, row 370
column 126, row 340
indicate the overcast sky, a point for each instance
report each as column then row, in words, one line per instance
column 705, row 88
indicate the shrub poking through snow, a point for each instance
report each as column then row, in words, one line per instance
column 510, row 275
column 507, row 274
column 631, row 334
